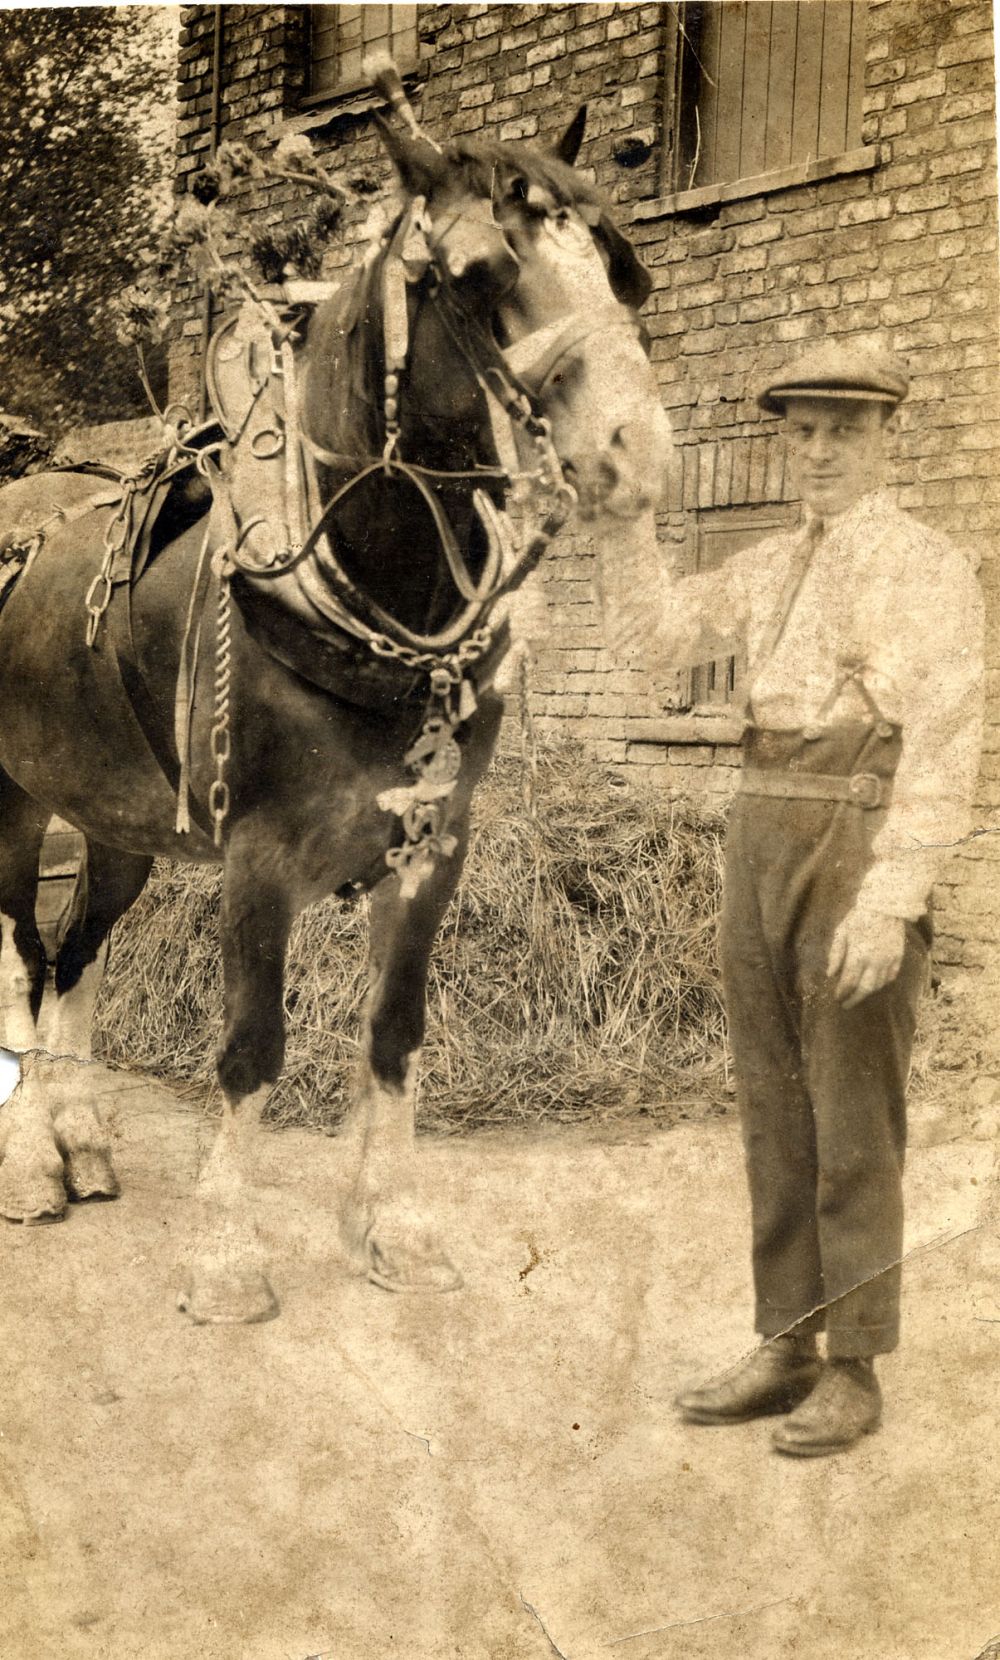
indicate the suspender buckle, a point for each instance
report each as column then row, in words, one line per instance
column 865, row 789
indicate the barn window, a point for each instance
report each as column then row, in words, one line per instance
column 718, row 533
column 759, row 87
column 341, row 36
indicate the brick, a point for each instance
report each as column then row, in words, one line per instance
column 545, row 50
column 845, row 189
column 926, row 87
column 739, row 213
column 822, row 297
column 476, row 95
column 759, row 232
column 960, row 161
column 467, row 121
column 920, row 201
column 970, row 77
column 959, row 108
column 892, row 69
column 742, row 259
column 965, row 51
column 864, row 212
column 850, row 265
column 890, row 125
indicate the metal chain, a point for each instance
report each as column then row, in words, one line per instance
column 221, row 746
column 98, row 596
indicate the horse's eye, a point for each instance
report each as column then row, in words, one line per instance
column 518, row 190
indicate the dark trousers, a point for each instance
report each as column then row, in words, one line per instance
column 821, row 1088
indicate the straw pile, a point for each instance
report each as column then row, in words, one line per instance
column 574, row 977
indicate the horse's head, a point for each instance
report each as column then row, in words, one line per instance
column 524, row 245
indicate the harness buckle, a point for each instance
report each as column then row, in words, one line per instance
column 865, row 789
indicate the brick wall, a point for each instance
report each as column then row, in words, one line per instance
column 901, row 240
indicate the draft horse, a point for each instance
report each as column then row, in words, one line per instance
column 347, row 676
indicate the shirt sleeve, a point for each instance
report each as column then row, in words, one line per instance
column 940, row 626
column 653, row 619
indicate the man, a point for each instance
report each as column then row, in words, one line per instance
column 864, row 642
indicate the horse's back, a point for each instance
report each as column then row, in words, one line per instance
column 26, row 503
column 69, row 732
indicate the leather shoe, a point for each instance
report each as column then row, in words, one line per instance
column 845, row 1405
column 775, row 1378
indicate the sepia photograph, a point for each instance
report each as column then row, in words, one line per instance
column 500, row 831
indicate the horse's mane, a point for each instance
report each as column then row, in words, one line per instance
column 478, row 163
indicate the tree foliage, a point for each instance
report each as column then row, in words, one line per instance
column 85, row 153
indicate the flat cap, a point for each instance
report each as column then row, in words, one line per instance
column 867, row 374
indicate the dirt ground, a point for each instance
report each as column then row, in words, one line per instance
column 495, row 1474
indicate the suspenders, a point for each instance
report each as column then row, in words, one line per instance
column 851, row 670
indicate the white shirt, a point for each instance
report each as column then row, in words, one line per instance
column 881, row 591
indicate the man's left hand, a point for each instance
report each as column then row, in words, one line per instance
column 865, row 954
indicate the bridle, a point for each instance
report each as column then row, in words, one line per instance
column 513, row 382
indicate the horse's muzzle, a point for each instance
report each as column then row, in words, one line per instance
column 627, row 477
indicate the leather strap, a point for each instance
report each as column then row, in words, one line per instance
column 186, row 675
column 861, row 789
column 535, row 358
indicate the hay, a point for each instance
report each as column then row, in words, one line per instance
column 574, row 977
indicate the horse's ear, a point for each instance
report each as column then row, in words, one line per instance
column 630, row 281
column 419, row 164
column 568, row 147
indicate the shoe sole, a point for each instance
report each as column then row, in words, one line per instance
column 822, row 1449
column 778, row 1409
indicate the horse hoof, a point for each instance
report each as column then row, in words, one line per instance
column 33, row 1200
column 89, row 1175
column 228, row 1297
column 404, row 1270
column 34, row 1218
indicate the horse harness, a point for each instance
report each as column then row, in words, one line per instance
column 264, row 446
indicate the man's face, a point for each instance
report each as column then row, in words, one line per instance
column 835, row 450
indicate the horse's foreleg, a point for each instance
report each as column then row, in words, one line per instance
column 388, row 1226
column 388, row 1222
column 31, row 1184
column 226, row 1283
column 109, row 882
